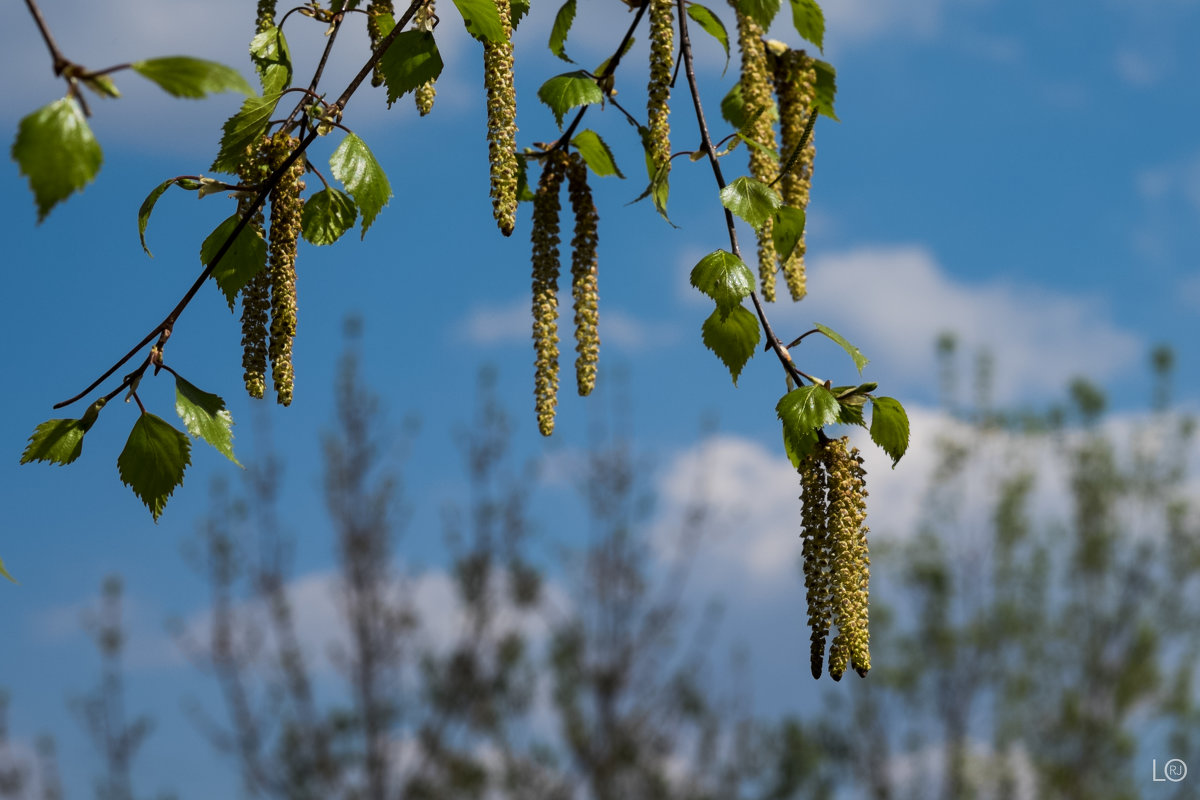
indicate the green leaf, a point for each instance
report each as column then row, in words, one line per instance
column 889, row 427
column 354, row 165
column 809, row 21
column 807, row 408
column 856, row 395
column 860, row 360
column 733, row 336
column 733, row 107
column 851, row 413
column 56, row 150
column 659, row 188
column 181, row 76
column 564, row 92
column 482, row 19
column 596, row 154
column 798, row 444
column 787, row 230
column 825, row 88
column 326, row 216
column 4, row 572
column 517, row 10
column 562, row 27
column 153, row 461
column 725, row 278
column 410, row 61
column 750, row 199
column 712, row 25
column 524, row 193
column 147, row 208
column 205, row 417
column 244, row 259
column 272, row 59
column 243, row 130
column 761, row 11
column 60, row 441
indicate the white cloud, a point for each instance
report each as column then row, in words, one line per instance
column 866, row 20
column 511, row 323
column 893, row 301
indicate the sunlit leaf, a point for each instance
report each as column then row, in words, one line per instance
column 761, row 11
column 596, row 154
column 355, row 166
column 787, row 230
column 712, row 25
column 807, row 408
column 889, row 427
column 181, row 76
column 56, row 150
column 750, row 199
column 825, row 88
column 562, row 27
column 412, row 60
column 733, row 336
column 4, row 572
column 243, row 130
column 272, row 60
column 482, row 19
column 153, row 461
column 809, row 21
column 564, row 92
column 860, row 360
column 724, row 277
column 205, row 417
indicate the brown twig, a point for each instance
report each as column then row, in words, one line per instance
column 164, row 328
column 685, row 47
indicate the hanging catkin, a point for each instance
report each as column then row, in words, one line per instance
column 584, row 288
column 285, row 230
column 658, row 91
column 375, row 10
column 427, row 91
column 795, row 86
column 502, row 123
column 256, row 294
column 545, row 290
column 759, row 110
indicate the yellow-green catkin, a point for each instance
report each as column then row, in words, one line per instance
column 851, row 565
column 545, row 289
column 376, row 9
column 264, row 16
column 795, row 87
column 256, row 294
column 285, row 230
column 584, row 287
column 759, row 108
column 658, row 91
column 816, row 557
column 427, row 91
column 502, row 123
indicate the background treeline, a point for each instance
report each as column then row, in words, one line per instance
column 1036, row 635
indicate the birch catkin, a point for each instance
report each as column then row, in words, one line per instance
column 584, row 287
column 256, row 294
column 502, row 123
column 759, row 112
column 545, row 290
column 795, row 86
column 427, row 91
column 658, row 91
column 285, row 230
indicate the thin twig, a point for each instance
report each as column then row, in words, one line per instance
column 685, row 47
column 60, row 63
column 163, row 329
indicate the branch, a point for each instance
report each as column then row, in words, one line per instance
column 164, row 328
column 60, row 62
column 706, row 144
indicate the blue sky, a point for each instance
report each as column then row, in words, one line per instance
column 1025, row 174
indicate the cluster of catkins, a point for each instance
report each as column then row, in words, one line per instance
column 836, row 563
column 269, row 298
column 557, row 166
column 423, row 20
column 771, row 66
